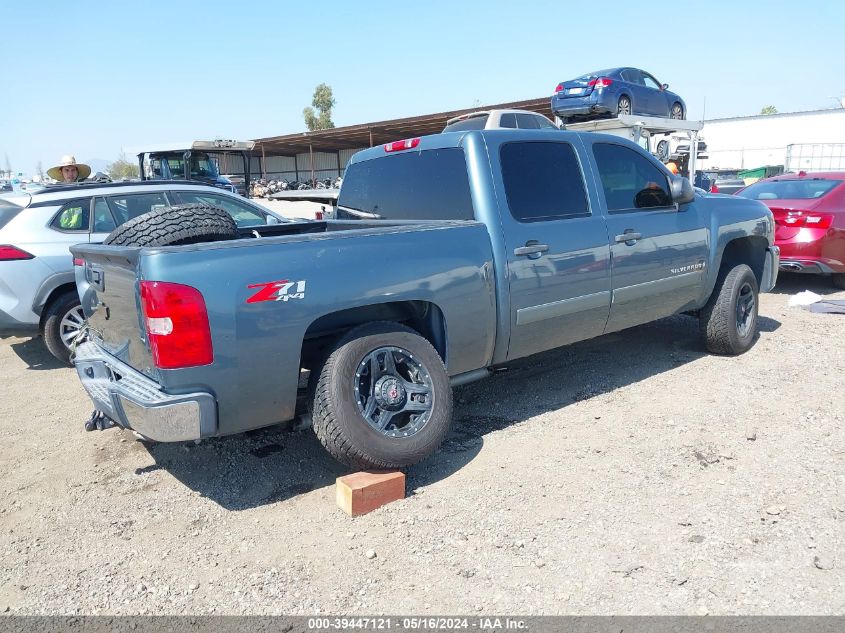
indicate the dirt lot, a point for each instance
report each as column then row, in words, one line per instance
column 615, row 476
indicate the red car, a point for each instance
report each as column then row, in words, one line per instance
column 809, row 210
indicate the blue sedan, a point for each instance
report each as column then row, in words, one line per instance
column 613, row 92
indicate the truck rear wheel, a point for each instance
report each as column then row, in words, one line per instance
column 728, row 321
column 382, row 399
column 171, row 226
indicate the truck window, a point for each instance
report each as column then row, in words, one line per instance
column 543, row 181
column 630, row 181
column 427, row 185
column 527, row 122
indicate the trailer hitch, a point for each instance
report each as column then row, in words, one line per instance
column 99, row 421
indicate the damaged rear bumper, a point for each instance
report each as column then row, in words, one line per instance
column 134, row 401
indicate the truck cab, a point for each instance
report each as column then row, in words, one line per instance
column 196, row 161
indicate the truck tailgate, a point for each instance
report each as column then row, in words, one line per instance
column 108, row 287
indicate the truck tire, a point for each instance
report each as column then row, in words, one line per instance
column 171, row 226
column 382, row 399
column 728, row 321
column 61, row 323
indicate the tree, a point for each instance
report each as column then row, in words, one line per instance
column 39, row 169
column 122, row 168
column 8, row 166
column 323, row 101
column 769, row 109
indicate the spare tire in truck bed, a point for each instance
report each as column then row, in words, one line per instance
column 172, row 226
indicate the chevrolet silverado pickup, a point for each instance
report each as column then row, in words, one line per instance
column 469, row 250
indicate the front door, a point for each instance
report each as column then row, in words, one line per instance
column 659, row 251
column 556, row 245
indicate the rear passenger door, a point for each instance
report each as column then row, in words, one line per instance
column 558, row 255
column 659, row 250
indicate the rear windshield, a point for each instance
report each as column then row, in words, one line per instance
column 804, row 189
column 472, row 123
column 428, row 185
column 8, row 210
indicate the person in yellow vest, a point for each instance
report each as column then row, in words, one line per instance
column 671, row 166
column 68, row 170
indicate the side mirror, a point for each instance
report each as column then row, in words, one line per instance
column 666, row 86
column 682, row 191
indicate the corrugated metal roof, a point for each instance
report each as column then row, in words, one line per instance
column 376, row 133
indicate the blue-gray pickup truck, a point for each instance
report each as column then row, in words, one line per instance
column 466, row 251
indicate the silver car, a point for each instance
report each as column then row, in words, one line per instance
column 37, row 289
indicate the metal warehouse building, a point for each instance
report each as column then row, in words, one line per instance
column 325, row 154
column 812, row 141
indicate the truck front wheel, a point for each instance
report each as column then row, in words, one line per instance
column 382, row 399
column 729, row 319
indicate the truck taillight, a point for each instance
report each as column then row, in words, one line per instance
column 13, row 253
column 176, row 321
column 398, row 146
column 600, row 82
column 714, row 188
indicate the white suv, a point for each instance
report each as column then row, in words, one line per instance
column 37, row 288
column 499, row 119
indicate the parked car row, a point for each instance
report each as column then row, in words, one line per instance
column 37, row 288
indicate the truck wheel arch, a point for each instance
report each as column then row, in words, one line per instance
column 424, row 317
column 749, row 250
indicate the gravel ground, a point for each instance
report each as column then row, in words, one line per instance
column 632, row 474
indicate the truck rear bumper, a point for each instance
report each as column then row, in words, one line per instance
column 134, row 401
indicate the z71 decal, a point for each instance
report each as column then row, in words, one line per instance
column 283, row 290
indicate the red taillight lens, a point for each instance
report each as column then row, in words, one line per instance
column 398, row 146
column 714, row 188
column 12, row 253
column 78, row 261
column 804, row 220
column 600, row 82
column 559, row 88
column 176, row 321
column 318, row 215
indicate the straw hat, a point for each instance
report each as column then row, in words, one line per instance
column 56, row 172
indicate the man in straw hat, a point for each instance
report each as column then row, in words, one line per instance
column 68, row 170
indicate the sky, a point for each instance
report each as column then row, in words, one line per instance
column 90, row 79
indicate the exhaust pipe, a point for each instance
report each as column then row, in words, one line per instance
column 793, row 267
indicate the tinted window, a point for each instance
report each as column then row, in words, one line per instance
column 507, row 120
column 629, row 180
column 428, row 185
column 804, row 189
column 472, row 123
column 244, row 214
column 543, row 181
column 527, row 122
column 73, row 216
column 126, row 207
column 103, row 220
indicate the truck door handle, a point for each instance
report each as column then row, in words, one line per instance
column 629, row 237
column 532, row 247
